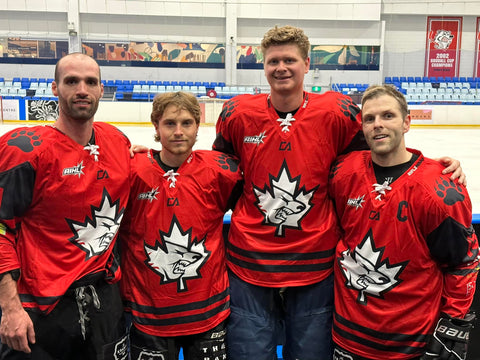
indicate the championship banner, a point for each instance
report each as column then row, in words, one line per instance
column 476, row 72
column 443, row 46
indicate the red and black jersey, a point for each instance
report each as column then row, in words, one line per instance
column 61, row 206
column 408, row 253
column 174, row 280
column 284, row 229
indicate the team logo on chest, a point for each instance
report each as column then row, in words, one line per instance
column 255, row 139
column 149, row 195
column 177, row 258
column 74, row 170
column 356, row 202
column 282, row 203
column 95, row 234
column 366, row 271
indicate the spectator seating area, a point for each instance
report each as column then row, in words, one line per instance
column 417, row 90
column 20, row 88
column 146, row 90
column 349, row 89
column 131, row 90
column 438, row 90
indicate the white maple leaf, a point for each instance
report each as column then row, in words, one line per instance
column 365, row 271
column 176, row 257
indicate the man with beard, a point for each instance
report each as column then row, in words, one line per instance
column 63, row 191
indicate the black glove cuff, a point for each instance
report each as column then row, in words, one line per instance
column 455, row 329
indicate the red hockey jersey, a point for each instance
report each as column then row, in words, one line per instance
column 284, row 229
column 408, row 253
column 173, row 254
column 61, row 206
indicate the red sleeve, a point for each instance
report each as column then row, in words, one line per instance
column 454, row 245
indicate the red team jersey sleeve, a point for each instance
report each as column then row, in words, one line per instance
column 284, row 229
column 61, row 207
column 175, row 281
column 407, row 254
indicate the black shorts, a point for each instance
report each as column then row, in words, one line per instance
column 209, row 345
column 59, row 334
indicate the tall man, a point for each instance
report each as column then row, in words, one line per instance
column 407, row 263
column 281, row 246
column 63, row 191
column 175, row 280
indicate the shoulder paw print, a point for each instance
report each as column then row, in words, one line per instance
column 25, row 140
column 349, row 108
column 227, row 163
column 228, row 109
column 449, row 191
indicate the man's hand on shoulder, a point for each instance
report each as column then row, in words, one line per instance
column 453, row 166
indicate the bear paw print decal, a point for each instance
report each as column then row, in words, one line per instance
column 24, row 140
column 228, row 109
column 227, row 163
column 349, row 108
column 449, row 192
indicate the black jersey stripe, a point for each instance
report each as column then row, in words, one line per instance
column 256, row 255
column 402, row 349
column 178, row 308
column 278, row 268
column 178, row 320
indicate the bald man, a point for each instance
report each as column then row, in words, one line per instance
column 63, row 191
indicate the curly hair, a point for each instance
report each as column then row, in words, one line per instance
column 286, row 35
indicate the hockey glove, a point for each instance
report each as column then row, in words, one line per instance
column 450, row 338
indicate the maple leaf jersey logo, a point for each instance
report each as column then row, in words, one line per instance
column 282, row 203
column 366, row 272
column 177, row 258
column 95, row 234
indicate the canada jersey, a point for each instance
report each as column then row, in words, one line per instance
column 408, row 253
column 284, row 229
column 61, row 207
column 175, row 281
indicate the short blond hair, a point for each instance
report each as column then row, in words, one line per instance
column 286, row 35
column 375, row 91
